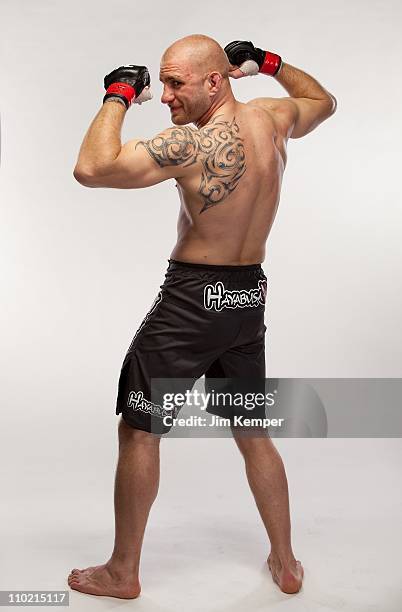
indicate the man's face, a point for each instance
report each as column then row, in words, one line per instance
column 184, row 91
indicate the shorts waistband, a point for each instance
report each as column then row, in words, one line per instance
column 213, row 267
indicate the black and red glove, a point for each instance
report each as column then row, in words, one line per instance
column 244, row 55
column 128, row 83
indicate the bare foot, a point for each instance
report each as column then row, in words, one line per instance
column 104, row 580
column 87, row 569
column 289, row 578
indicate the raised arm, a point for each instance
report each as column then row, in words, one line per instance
column 308, row 105
column 104, row 162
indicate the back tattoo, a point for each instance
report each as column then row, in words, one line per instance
column 217, row 146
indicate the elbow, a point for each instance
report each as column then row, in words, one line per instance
column 333, row 104
column 84, row 177
column 328, row 108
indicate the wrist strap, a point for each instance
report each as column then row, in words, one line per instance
column 114, row 98
column 121, row 90
column 272, row 64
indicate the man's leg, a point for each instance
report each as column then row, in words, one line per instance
column 136, row 487
column 267, row 479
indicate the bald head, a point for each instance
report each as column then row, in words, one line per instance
column 195, row 75
column 199, row 53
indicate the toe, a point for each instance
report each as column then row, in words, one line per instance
column 75, row 585
column 82, row 585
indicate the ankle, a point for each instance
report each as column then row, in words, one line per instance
column 284, row 560
column 122, row 566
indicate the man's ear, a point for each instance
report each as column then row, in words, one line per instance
column 215, row 80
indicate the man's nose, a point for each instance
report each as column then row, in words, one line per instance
column 167, row 95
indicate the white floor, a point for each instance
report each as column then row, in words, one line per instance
column 205, row 546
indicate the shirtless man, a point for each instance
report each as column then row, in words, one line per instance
column 228, row 170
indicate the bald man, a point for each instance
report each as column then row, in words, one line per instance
column 208, row 318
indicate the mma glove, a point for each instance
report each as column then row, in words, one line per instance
column 128, row 83
column 252, row 60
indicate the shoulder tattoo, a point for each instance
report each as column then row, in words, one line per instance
column 217, row 146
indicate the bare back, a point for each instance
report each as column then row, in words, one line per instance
column 235, row 182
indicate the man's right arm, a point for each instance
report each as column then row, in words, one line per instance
column 309, row 103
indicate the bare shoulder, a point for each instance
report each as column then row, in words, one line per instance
column 185, row 145
column 296, row 117
column 174, row 146
column 270, row 104
column 283, row 112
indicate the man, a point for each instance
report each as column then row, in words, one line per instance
column 228, row 170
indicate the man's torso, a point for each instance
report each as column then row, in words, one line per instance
column 235, row 180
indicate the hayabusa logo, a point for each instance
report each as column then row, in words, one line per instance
column 136, row 401
column 216, row 297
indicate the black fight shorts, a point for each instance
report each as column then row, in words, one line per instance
column 206, row 320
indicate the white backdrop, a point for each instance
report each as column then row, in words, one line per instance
column 80, row 267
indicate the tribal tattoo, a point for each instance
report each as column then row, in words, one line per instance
column 217, row 146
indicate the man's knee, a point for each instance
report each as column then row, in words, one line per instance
column 127, row 433
column 250, row 440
